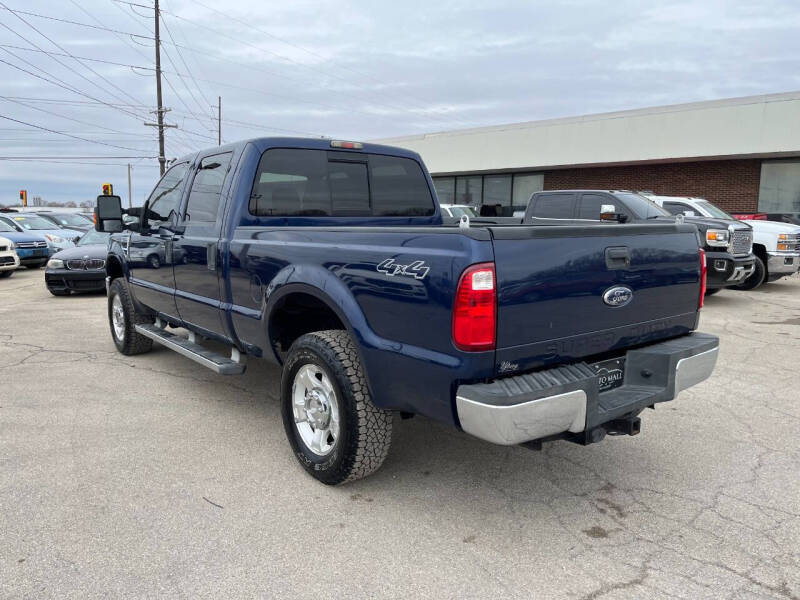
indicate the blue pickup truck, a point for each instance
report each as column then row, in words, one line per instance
column 331, row 259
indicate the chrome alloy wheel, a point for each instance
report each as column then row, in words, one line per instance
column 118, row 318
column 315, row 409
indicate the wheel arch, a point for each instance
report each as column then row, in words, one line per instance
column 114, row 268
column 760, row 250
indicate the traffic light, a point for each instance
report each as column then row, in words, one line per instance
column 23, row 197
column 108, row 189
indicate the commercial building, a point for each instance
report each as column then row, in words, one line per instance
column 742, row 154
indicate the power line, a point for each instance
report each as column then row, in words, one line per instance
column 70, row 158
column 40, row 16
column 27, row 130
column 99, row 60
column 74, row 157
column 299, row 47
column 59, row 82
column 83, row 139
column 68, row 102
column 176, row 91
column 262, row 50
column 57, row 45
column 61, row 116
column 186, row 66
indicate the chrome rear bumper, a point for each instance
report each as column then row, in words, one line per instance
column 565, row 400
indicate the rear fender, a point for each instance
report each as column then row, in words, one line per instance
column 320, row 283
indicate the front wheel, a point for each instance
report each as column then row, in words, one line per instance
column 122, row 317
column 36, row 266
column 712, row 291
column 335, row 430
column 757, row 277
column 4, row 274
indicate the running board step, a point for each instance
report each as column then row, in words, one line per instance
column 211, row 360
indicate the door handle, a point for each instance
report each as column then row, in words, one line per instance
column 618, row 257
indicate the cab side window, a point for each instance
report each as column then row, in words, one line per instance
column 674, row 208
column 204, row 197
column 554, row 206
column 166, row 197
column 591, row 204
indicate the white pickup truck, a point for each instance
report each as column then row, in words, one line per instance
column 776, row 245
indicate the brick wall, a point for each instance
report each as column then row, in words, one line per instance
column 730, row 184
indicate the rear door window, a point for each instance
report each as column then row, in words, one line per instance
column 291, row 182
column 554, row 206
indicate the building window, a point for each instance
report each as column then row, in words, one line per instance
column 469, row 190
column 511, row 192
column 779, row 191
column 445, row 189
column 525, row 184
column 497, row 191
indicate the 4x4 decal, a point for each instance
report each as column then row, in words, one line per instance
column 417, row 269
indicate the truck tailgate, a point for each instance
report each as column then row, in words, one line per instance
column 551, row 283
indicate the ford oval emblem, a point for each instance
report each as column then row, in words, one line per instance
column 619, row 295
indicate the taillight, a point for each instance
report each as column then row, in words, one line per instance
column 703, row 277
column 475, row 309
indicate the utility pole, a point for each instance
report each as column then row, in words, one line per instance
column 160, row 110
column 161, row 158
column 130, row 188
column 219, row 120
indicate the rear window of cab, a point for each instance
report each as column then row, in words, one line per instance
column 302, row 182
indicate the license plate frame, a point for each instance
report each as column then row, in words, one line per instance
column 610, row 374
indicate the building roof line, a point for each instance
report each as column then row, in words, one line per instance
column 623, row 114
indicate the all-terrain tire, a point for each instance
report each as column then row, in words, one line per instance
column 365, row 430
column 129, row 342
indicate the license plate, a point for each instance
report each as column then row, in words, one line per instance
column 610, row 373
column 39, row 252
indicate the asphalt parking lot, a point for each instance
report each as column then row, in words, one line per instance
column 151, row 476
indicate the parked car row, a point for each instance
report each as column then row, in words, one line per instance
column 79, row 267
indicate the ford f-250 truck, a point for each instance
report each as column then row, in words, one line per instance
column 330, row 258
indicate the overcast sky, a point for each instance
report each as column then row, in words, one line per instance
column 353, row 70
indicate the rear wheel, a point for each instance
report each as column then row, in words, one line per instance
column 122, row 317
column 335, row 430
column 58, row 292
column 758, row 276
column 36, row 266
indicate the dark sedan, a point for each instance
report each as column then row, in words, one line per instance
column 79, row 269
